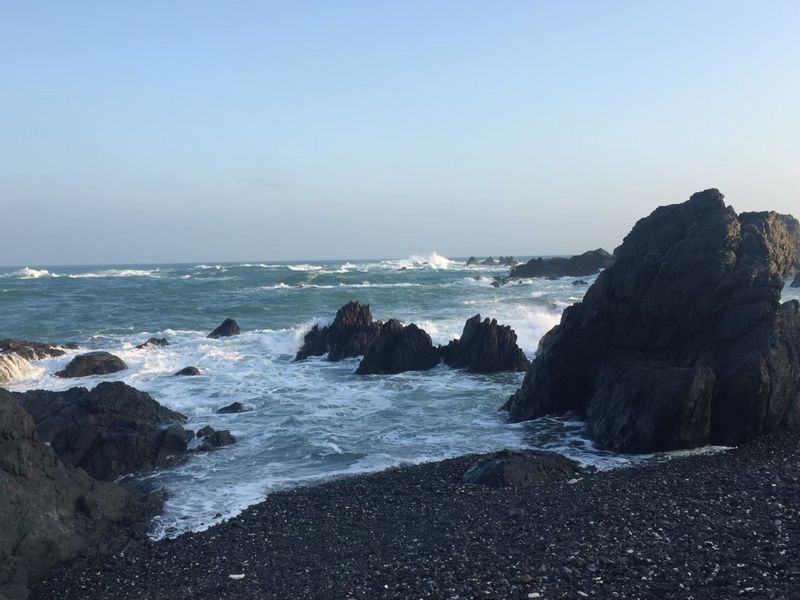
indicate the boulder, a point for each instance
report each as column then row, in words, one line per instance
column 51, row 512
column 683, row 341
column 227, row 328
column 398, row 349
column 92, row 363
column 350, row 334
column 472, row 261
column 581, row 265
column 213, row 439
column 521, row 468
column 236, row 407
column 153, row 343
column 188, row 372
column 110, row 431
column 485, row 347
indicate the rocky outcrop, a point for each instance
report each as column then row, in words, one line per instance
column 485, row 347
column 398, row 349
column 683, row 341
column 508, row 261
column 211, row 438
column 153, row 343
column 16, row 356
column 109, row 431
column 188, row 372
column 51, row 512
column 521, row 468
column 227, row 328
column 582, row 265
column 92, row 363
column 489, row 262
column 236, row 407
column 350, row 335
column 472, row 261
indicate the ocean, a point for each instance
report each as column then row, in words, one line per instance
column 310, row 420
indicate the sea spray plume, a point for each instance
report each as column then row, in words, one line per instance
column 683, row 340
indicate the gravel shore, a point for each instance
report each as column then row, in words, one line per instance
column 704, row 526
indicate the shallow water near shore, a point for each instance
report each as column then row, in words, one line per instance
column 308, row 420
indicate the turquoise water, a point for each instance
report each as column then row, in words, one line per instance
column 312, row 419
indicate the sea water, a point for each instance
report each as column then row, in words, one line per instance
column 308, row 420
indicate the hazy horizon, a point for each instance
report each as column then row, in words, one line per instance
column 188, row 132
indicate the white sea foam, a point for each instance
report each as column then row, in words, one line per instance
column 116, row 273
column 304, row 267
column 12, row 367
column 29, row 273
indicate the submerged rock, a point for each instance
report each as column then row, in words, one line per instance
column 580, row 282
column 92, row 363
column 227, row 328
column 581, row 265
column 683, row 341
column 153, row 343
column 398, row 349
column 521, row 468
column 350, row 335
column 213, row 438
column 188, row 372
column 485, row 347
column 236, row 407
column 109, row 431
column 51, row 512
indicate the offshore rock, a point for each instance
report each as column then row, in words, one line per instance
column 188, row 372
column 351, row 334
column 227, row 328
column 485, row 347
column 682, row 341
column 92, row 363
column 398, row 349
column 581, row 265
column 153, row 343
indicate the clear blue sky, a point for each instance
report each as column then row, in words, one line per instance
column 189, row 131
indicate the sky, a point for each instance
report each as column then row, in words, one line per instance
column 147, row 132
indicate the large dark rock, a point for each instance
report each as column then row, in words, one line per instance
column 350, row 335
column 109, row 431
column 227, row 328
column 213, row 439
column 234, row 408
column 521, row 468
column 398, row 349
column 683, row 340
column 472, row 261
column 188, row 372
column 92, row 363
column 51, row 512
column 581, row 265
column 485, row 347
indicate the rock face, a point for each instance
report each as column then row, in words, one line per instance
column 581, row 265
column 485, row 347
column 227, row 328
column 16, row 355
column 188, row 372
column 683, row 340
column 92, row 363
column 399, row 349
column 109, row 431
column 521, row 468
column 51, row 512
column 351, row 334
column 153, row 343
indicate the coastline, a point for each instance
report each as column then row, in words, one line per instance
column 703, row 526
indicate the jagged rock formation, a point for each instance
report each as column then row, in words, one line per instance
column 485, row 347
column 398, row 349
column 109, row 431
column 51, row 512
column 472, row 261
column 350, row 334
column 582, row 265
column 16, row 356
column 521, row 468
column 227, row 328
column 92, row 363
column 683, row 340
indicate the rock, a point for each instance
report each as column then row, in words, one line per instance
column 236, row 407
column 152, row 343
column 227, row 328
column 204, row 431
column 588, row 263
column 16, row 356
column 398, row 349
column 109, row 431
column 580, row 282
column 795, row 282
column 472, row 261
column 485, row 347
column 521, row 468
column 682, row 341
column 188, row 372
column 51, row 512
column 92, row 363
column 489, row 262
column 213, row 439
column 350, row 334
column 508, row 261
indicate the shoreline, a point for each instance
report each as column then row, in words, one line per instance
column 714, row 525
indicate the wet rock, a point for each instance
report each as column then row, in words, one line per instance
column 398, row 349
column 489, row 262
column 92, row 363
column 688, row 317
column 213, row 439
column 521, row 468
column 581, row 265
column 188, row 372
column 485, row 347
column 508, row 261
column 236, row 407
column 16, row 356
column 109, row 431
column 580, row 282
column 153, row 343
column 472, row 261
column 227, row 328
column 350, row 334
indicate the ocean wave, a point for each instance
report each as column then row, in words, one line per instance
column 304, row 267
column 116, row 273
column 29, row 273
column 434, row 260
